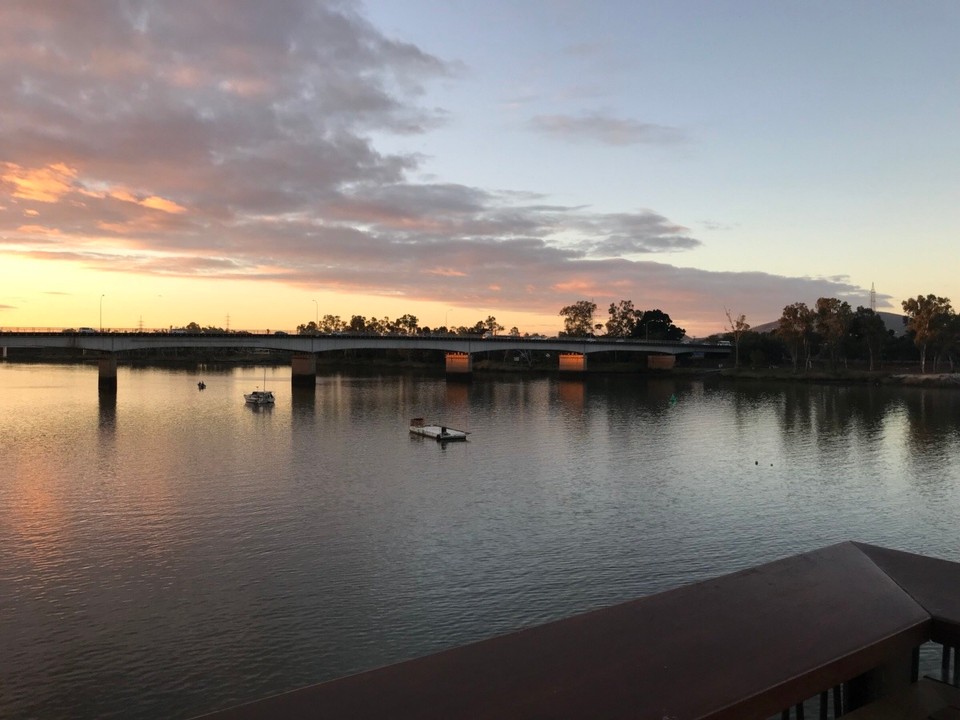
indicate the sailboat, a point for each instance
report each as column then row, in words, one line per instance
column 260, row 397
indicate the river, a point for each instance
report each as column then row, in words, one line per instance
column 169, row 551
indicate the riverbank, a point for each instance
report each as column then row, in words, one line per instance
column 205, row 362
column 852, row 377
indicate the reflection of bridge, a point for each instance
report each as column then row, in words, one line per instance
column 571, row 352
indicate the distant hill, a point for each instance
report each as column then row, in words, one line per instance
column 893, row 321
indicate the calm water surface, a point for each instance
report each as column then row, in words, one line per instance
column 172, row 552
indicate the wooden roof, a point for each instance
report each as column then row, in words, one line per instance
column 744, row 645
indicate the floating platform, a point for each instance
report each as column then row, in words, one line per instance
column 440, row 433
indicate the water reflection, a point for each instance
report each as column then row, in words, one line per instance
column 933, row 415
column 457, row 394
column 572, row 394
column 165, row 518
column 107, row 413
column 303, row 403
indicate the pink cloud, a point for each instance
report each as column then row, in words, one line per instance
column 184, row 141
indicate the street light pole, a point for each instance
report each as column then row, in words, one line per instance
column 317, row 319
column 101, row 312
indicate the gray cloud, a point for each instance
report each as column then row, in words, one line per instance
column 605, row 130
column 195, row 138
column 619, row 234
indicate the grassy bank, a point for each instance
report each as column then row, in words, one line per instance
column 866, row 377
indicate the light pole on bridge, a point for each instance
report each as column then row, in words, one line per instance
column 316, row 320
column 101, row 312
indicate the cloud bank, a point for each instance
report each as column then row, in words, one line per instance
column 233, row 140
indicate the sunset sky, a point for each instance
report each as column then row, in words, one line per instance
column 259, row 163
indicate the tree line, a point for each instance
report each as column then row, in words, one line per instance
column 830, row 331
column 403, row 325
column 625, row 321
column 833, row 332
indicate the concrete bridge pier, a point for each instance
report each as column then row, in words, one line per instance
column 459, row 366
column 573, row 364
column 107, row 379
column 661, row 362
column 304, row 370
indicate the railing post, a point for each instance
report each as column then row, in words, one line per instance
column 892, row 675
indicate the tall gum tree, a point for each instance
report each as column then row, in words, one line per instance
column 867, row 332
column 926, row 316
column 738, row 326
column 578, row 318
column 795, row 328
column 832, row 320
column 623, row 318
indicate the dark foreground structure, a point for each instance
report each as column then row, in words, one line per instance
column 829, row 633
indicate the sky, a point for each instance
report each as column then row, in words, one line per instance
column 256, row 165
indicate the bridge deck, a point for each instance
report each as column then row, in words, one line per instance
column 127, row 341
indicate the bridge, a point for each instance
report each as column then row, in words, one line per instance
column 459, row 350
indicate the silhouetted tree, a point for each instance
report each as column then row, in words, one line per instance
column 491, row 325
column 406, row 324
column 358, row 324
column 867, row 332
column 952, row 338
column 578, row 318
column 657, row 325
column 763, row 349
column 832, row 319
column 738, row 326
column 796, row 328
column 332, row 324
column 623, row 319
